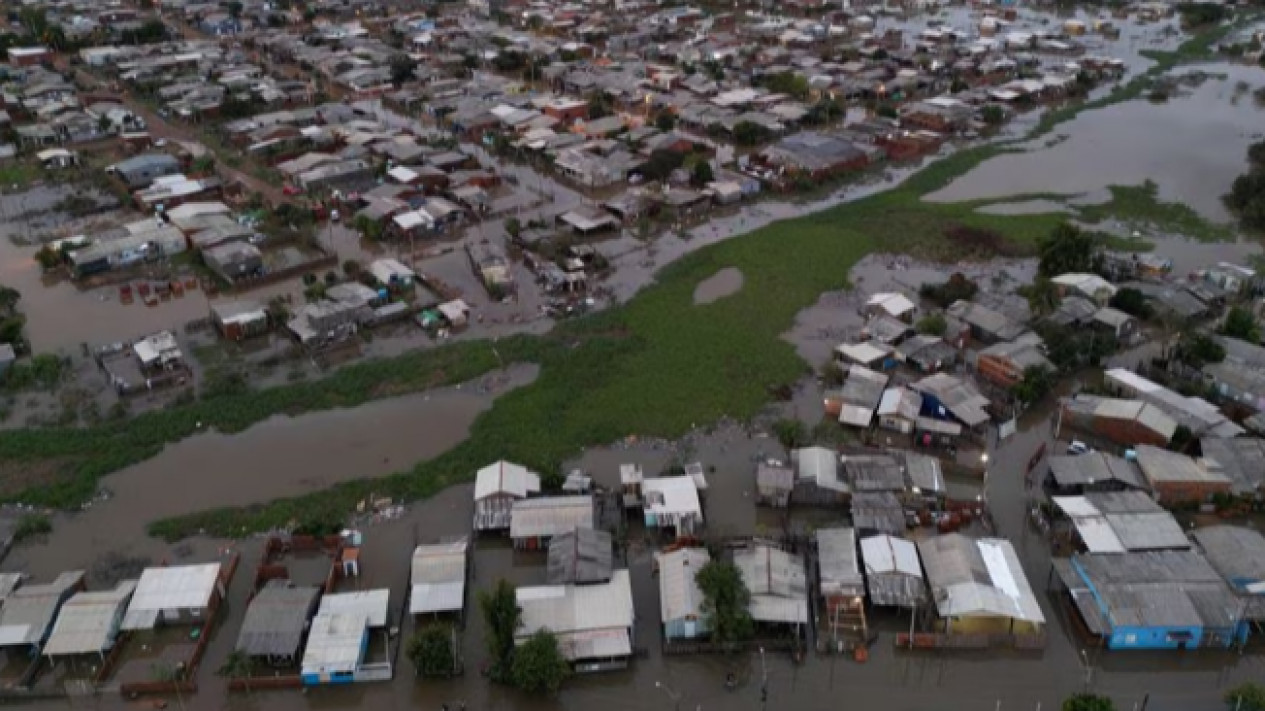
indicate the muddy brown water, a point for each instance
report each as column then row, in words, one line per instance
column 280, row 457
column 1136, row 141
column 726, row 282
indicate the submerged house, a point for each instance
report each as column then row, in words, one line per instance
column 672, row 502
column 893, row 572
column 89, row 622
column 680, row 599
column 179, row 594
column 338, row 645
column 593, row 623
column 437, row 578
column 276, row 621
column 496, row 488
column 1153, row 600
column 534, row 522
column 26, row 619
column 778, row 584
column 979, row 587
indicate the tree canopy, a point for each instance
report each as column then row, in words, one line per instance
column 957, row 288
column 931, row 325
column 1240, row 323
column 1132, row 302
column 1037, row 382
column 725, row 599
column 539, row 666
column 1198, row 349
column 1246, row 697
column 501, row 617
column 1067, row 249
column 431, row 651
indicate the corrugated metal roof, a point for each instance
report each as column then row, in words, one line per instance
column 1094, row 468
column 1157, row 589
column 580, row 556
column 777, row 582
column 1163, row 466
column 893, row 574
column 505, row 478
column 550, row 516
column 973, row 578
column 679, row 595
column 179, row 587
column 335, row 643
column 275, row 620
column 87, row 622
column 370, row 604
column 589, row 620
column 878, row 512
column 29, row 611
column 1115, row 522
column 1242, row 459
column 438, row 577
column 1237, row 553
column 837, row 562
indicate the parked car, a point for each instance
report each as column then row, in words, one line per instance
column 1078, row 447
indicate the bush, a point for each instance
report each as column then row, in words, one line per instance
column 957, row 288
column 538, row 665
column 32, row 525
column 431, row 651
column 931, row 325
column 1246, row 697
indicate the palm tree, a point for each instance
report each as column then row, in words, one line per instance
column 238, row 665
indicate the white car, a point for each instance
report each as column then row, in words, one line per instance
column 1078, row 447
column 161, row 142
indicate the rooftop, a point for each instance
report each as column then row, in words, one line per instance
column 177, row 587
column 679, row 595
column 589, row 620
column 581, row 556
column 506, row 478
column 893, row 573
column 550, row 516
column 978, row 578
column 438, row 577
column 777, row 581
column 29, row 611
column 837, row 563
column 276, row 619
column 1117, row 522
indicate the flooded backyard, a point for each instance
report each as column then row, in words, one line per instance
column 725, row 282
column 1192, row 146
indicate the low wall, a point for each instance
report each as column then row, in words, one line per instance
column 240, row 286
column 137, row 689
column 288, row 681
column 936, row 640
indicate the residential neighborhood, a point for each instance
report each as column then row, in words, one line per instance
column 397, row 353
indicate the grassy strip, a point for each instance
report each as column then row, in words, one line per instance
column 1140, row 206
column 86, row 455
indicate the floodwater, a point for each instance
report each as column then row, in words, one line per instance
column 726, row 282
column 1192, row 146
column 279, row 457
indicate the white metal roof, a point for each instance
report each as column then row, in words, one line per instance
column 679, row 594
column 180, row 587
column 86, row 623
column 505, row 478
column 335, row 643
column 671, row 495
column 368, row 604
column 893, row 303
column 550, row 516
column 978, row 578
column 589, row 620
column 29, row 611
column 865, row 353
column 888, row 554
column 438, row 577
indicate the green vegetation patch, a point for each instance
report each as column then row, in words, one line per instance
column 1140, row 206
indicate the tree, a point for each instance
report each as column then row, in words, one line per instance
column 931, row 325
column 725, row 599
column 539, row 666
column 235, row 9
column 1132, row 302
column 1241, row 324
column 747, row 133
column 993, row 115
column 660, row 164
column 1198, row 349
column 1066, row 249
column 351, row 268
column 702, row 174
column 1036, row 384
column 501, row 617
column 431, row 651
column 791, row 433
column 238, row 665
column 665, row 121
column 1088, row 702
column 1246, row 697
column 1042, row 295
column 401, row 66
column 367, row 226
column 513, row 227
column 957, row 288
column 203, row 165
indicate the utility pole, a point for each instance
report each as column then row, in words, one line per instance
column 676, row 698
column 764, row 682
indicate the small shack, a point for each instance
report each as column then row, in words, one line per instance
column 533, row 522
column 496, row 488
column 276, row 620
column 180, row 594
column 339, row 642
column 680, row 599
column 580, row 557
column 840, row 585
column 672, row 502
column 893, row 573
column 778, row 584
column 438, row 578
column 89, row 622
column 774, row 482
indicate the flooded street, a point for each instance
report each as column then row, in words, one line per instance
column 1193, row 146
